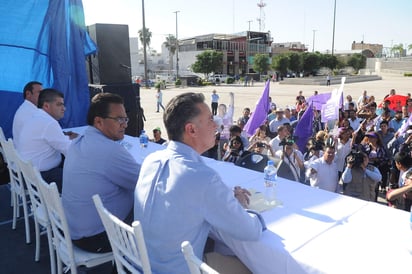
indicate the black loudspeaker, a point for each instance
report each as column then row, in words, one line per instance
column 111, row 64
column 131, row 96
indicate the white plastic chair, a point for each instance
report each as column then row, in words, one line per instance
column 68, row 254
column 32, row 178
column 127, row 242
column 196, row 266
column 18, row 191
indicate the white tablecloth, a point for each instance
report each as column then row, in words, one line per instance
column 315, row 231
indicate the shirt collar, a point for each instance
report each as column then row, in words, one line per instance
column 185, row 150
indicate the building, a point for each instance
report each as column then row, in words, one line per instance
column 368, row 50
column 279, row 48
column 238, row 50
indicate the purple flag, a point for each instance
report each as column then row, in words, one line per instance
column 319, row 100
column 260, row 113
column 303, row 128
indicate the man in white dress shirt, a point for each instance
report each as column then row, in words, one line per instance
column 324, row 171
column 42, row 140
column 31, row 93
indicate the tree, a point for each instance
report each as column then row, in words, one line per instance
column 261, row 63
column 311, row 62
column 357, row 61
column 329, row 61
column 208, row 61
column 148, row 37
column 281, row 64
column 171, row 45
column 295, row 62
column 397, row 49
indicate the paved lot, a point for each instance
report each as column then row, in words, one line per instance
column 282, row 95
column 17, row 257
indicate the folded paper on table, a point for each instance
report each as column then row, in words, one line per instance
column 258, row 203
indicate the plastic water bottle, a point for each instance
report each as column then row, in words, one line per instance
column 144, row 139
column 270, row 177
column 410, row 218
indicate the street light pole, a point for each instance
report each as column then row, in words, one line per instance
column 177, row 48
column 144, row 48
column 333, row 35
column 313, row 43
column 247, row 48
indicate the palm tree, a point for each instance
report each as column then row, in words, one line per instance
column 148, row 37
column 397, row 49
column 171, row 45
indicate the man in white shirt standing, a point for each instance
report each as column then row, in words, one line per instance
column 31, row 93
column 42, row 140
column 324, row 171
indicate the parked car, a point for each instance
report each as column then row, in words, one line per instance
column 150, row 83
column 219, row 78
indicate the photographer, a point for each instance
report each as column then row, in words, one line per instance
column 360, row 177
column 291, row 163
column 262, row 148
column 234, row 151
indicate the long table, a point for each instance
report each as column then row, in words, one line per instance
column 315, row 231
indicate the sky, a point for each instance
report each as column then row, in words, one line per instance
column 373, row 21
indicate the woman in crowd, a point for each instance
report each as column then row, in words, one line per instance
column 260, row 137
column 235, row 150
column 372, row 145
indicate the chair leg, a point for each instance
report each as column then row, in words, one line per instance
column 26, row 220
column 15, row 209
column 37, row 232
column 59, row 265
column 51, row 250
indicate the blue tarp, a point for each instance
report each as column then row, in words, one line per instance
column 45, row 41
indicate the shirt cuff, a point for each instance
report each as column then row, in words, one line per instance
column 261, row 220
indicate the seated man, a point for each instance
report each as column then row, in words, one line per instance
column 178, row 197
column 31, row 93
column 97, row 164
column 157, row 136
column 41, row 139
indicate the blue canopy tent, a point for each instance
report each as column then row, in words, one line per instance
column 44, row 41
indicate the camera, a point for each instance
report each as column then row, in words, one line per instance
column 260, row 144
column 234, row 152
column 355, row 158
column 287, row 142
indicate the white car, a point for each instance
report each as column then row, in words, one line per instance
column 218, row 78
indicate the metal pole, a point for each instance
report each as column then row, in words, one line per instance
column 313, row 43
column 144, row 48
column 333, row 36
column 177, row 48
column 247, row 48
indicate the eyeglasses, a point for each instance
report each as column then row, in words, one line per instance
column 120, row 120
column 236, row 143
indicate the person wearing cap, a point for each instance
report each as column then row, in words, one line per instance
column 279, row 120
column 157, row 136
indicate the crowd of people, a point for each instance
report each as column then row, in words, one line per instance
column 374, row 135
column 368, row 149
